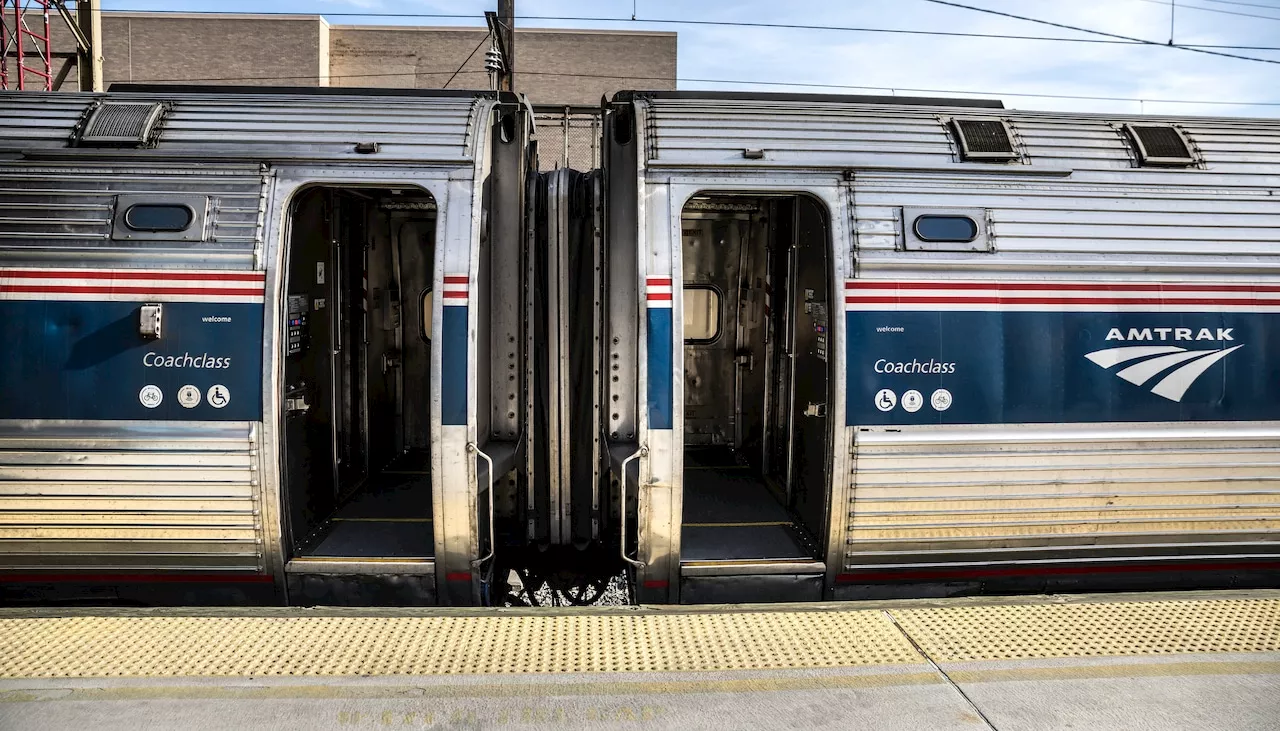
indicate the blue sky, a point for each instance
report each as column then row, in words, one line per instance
column 903, row 62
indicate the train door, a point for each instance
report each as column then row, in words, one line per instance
column 755, row 330
column 356, row 427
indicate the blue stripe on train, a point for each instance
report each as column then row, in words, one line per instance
column 1019, row 367
column 453, row 369
column 85, row 360
column 659, row 346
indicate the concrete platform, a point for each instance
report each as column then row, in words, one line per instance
column 1165, row 661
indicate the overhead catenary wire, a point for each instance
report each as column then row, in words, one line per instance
column 465, row 61
column 746, row 82
column 1079, row 29
column 731, row 24
column 1184, row 6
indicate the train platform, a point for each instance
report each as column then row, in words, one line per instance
column 1191, row 660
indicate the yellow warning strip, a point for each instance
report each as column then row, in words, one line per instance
column 301, row 644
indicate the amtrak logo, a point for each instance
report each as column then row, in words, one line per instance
column 1152, row 360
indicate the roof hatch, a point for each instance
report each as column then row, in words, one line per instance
column 986, row 140
column 122, row 123
column 1161, row 145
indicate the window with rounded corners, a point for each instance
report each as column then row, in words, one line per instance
column 945, row 228
column 701, row 313
column 158, row 217
column 424, row 322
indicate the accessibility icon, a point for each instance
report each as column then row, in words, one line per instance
column 912, row 400
column 886, row 400
column 218, row 396
column 189, row 396
column 151, row 396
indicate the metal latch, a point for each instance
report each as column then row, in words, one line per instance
column 296, row 405
column 816, row 410
column 745, row 359
column 149, row 321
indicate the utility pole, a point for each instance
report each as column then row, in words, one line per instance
column 507, row 30
column 89, row 56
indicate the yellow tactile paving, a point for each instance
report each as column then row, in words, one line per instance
column 175, row 646
column 274, row 646
column 956, row 634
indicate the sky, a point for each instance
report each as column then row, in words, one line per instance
column 1150, row 79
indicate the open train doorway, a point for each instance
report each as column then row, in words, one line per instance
column 756, row 304
column 356, row 395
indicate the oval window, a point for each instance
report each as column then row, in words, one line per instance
column 158, row 217
column 946, row 228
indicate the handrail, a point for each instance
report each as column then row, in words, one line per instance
column 471, row 447
column 622, row 509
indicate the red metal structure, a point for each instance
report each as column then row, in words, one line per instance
column 25, row 37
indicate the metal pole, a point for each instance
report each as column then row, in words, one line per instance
column 507, row 28
column 89, row 18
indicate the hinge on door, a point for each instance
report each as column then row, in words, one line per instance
column 816, row 410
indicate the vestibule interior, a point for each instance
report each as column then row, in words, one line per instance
column 357, row 374
column 757, row 339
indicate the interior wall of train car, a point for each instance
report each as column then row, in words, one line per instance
column 357, row 365
column 756, row 306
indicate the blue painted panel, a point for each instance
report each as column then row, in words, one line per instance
column 1011, row 367
column 86, row 360
column 453, row 356
column 659, row 347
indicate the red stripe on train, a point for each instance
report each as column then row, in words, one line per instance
column 456, row 279
column 174, row 276
column 86, row 289
column 888, row 575
column 659, row 295
column 921, row 300
column 27, row 578
column 1064, row 287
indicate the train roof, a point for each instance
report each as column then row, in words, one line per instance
column 253, row 123
column 746, row 130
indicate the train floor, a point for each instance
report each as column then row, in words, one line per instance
column 732, row 514
column 387, row 516
column 1193, row 661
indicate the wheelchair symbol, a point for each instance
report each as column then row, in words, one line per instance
column 219, row 396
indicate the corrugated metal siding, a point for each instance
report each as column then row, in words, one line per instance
column 106, row 497
column 970, row 495
column 51, row 214
column 714, row 132
column 1061, row 223
column 437, row 129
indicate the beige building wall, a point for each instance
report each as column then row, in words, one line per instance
column 569, row 67
column 552, row 66
column 195, row 48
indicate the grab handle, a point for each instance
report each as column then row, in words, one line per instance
column 622, row 509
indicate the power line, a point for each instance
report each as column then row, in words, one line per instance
column 1184, row 6
column 464, row 62
column 1244, row 5
column 754, row 82
column 1118, row 41
column 1193, row 49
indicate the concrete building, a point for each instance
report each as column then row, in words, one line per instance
column 557, row 67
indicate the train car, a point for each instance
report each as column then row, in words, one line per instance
column 260, row 344
column 879, row 347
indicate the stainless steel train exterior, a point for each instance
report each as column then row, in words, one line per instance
column 260, row 345
column 886, row 347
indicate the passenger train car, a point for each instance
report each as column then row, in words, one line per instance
column 259, row 345
column 887, row 347
column 348, row 347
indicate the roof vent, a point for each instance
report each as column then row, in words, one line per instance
column 122, row 123
column 987, row 140
column 1161, row 145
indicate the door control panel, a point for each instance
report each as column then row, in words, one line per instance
column 299, row 336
